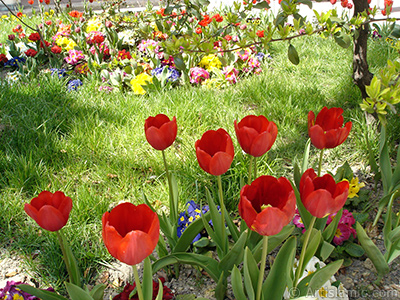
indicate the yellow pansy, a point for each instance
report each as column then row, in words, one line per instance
column 65, row 43
column 354, row 187
column 139, row 81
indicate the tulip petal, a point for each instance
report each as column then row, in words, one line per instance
column 220, row 163
column 270, row 221
column 317, row 136
column 31, row 211
column 135, row 247
column 262, row 143
column 50, row 218
column 203, row 159
column 319, row 203
column 156, row 139
column 245, row 137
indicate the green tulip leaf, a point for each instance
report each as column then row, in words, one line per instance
column 160, row 290
column 250, row 274
column 396, row 171
column 207, row 263
column 312, row 247
column 394, row 251
column 147, row 281
column 237, row 284
column 234, row 256
column 220, row 289
column 325, row 250
column 190, row 233
column 42, row 294
column 77, row 293
column 384, row 162
column 75, row 276
column 293, row 55
column 273, row 241
column 372, row 251
column 97, row 292
column 330, row 230
column 280, row 273
column 324, row 274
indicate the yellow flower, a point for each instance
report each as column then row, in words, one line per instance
column 323, row 292
column 93, row 25
column 139, row 81
column 65, row 43
column 354, row 187
column 4, row 17
column 210, row 61
column 18, row 297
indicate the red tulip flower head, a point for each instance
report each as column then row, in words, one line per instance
column 160, row 131
column 327, row 131
column 130, row 232
column 50, row 211
column 256, row 135
column 321, row 196
column 215, row 151
column 267, row 205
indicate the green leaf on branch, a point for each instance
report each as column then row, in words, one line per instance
column 342, row 39
column 261, row 5
column 293, row 55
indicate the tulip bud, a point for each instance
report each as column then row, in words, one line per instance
column 109, row 24
column 11, row 37
column 190, row 20
column 243, row 27
column 77, row 29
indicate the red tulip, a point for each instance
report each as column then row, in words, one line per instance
column 256, row 135
column 160, row 131
column 326, row 131
column 215, row 151
column 321, row 196
column 130, row 232
column 50, row 211
column 267, row 205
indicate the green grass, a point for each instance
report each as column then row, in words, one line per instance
column 77, row 142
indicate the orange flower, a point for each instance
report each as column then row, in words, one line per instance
column 260, row 33
column 75, row 14
column 30, row 2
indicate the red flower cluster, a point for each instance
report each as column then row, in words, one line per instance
column 95, row 37
column 30, row 2
column 20, row 14
column 75, row 14
column 3, row 58
column 345, row 3
column 123, row 54
column 124, row 295
column 388, row 7
column 50, row 211
column 260, row 33
column 17, row 29
column 56, row 49
column 207, row 20
column 30, row 52
column 45, row 42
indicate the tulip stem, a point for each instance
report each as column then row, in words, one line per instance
column 303, row 251
column 61, row 240
column 321, row 155
column 250, row 169
column 262, row 266
column 255, row 168
column 172, row 205
column 137, row 281
column 221, row 200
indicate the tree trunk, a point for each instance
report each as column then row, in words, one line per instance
column 361, row 74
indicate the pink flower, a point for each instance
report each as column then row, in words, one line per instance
column 74, row 56
column 343, row 233
column 197, row 75
column 230, row 74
